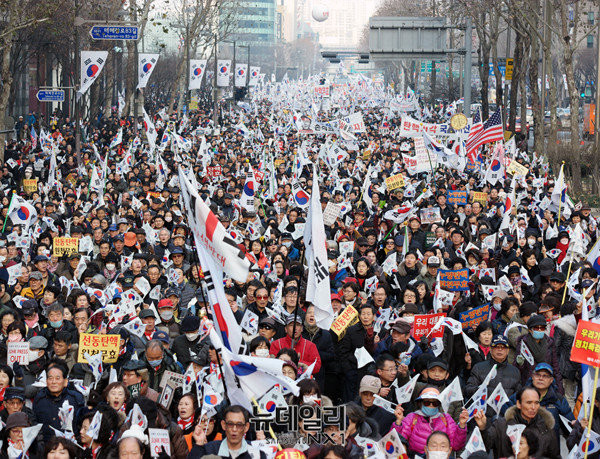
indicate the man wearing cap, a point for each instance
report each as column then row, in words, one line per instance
column 168, row 321
column 507, row 374
column 558, row 282
column 307, row 351
column 542, row 348
column 526, row 310
column 429, row 275
column 14, row 402
column 550, row 398
column 134, row 373
column 369, row 387
column 35, row 289
column 67, row 267
column 399, row 333
column 189, row 344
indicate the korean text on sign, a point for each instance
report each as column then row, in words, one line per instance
column 586, row 345
column 454, row 281
column 458, row 197
column 395, row 181
column 344, row 320
column 424, row 323
column 93, row 344
column 470, row 319
column 65, row 246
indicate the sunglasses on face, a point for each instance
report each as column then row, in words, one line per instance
column 432, row 403
column 261, row 297
column 266, row 327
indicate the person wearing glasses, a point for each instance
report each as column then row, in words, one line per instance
column 417, row 426
column 235, row 424
column 542, row 349
column 543, row 380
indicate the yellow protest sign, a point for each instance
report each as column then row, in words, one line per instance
column 480, row 196
column 194, row 103
column 366, row 156
column 344, row 320
column 93, row 344
column 510, row 65
column 65, row 245
column 30, row 185
column 514, row 168
column 277, row 162
column 395, row 181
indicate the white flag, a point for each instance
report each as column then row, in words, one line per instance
column 197, row 69
column 391, row 446
column 452, row 393
column 514, row 433
column 211, row 234
column 94, row 427
column 474, row 444
column 92, row 63
column 497, row 398
column 151, row 133
column 404, row 393
column 223, row 72
column 146, row 64
column 254, row 76
column 318, row 290
column 241, row 71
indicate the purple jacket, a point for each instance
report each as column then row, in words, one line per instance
column 416, row 428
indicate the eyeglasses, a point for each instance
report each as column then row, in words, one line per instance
column 539, row 328
column 261, row 297
column 235, row 425
column 543, row 376
column 433, row 403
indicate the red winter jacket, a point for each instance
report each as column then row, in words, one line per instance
column 307, row 351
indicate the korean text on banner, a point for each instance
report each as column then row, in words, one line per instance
column 458, row 197
column 93, row 344
column 395, row 181
column 345, row 319
column 424, row 323
column 586, row 345
column 470, row 319
column 454, row 281
column 65, row 246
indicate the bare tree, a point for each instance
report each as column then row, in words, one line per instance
column 198, row 23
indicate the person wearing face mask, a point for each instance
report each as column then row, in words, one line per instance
column 508, row 309
column 26, row 375
column 57, row 322
column 438, row 446
column 541, row 347
column 288, row 241
column 110, row 267
column 168, row 322
column 157, row 362
column 417, row 426
column 31, row 318
column 563, row 245
column 526, row 310
column 189, row 343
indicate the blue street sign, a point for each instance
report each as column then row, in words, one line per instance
column 51, row 95
column 114, row 32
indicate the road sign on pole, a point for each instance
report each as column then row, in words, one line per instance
column 51, row 95
column 100, row 32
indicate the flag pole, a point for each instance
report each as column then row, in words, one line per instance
column 592, row 403
column 9, row 209
column 568, row 273
column 560, row 204
column 273, row 436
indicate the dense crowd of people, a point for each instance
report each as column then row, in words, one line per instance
column 490, row 375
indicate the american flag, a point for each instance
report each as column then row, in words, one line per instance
column 491, row 131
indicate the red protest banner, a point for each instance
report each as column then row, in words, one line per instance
column 586, row 345
column 424, row 323
column 213, row 171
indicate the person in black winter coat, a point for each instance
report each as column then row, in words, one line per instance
column 507, row 374
column 189, row 344
column 322, row 339
column 49, row 400
column 580, row 429
column 528, row 412
column 359, row 335
column 551, row 399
